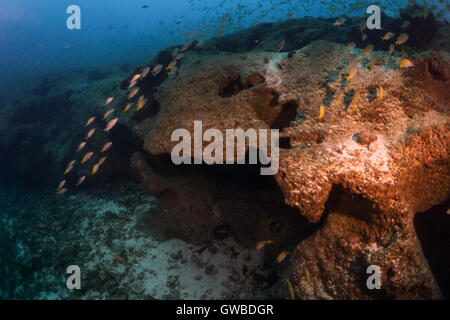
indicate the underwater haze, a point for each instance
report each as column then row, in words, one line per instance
column 224, row 149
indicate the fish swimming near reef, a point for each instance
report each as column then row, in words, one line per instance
column 145, row 72
column 402, row 39
column 109, row 100
column 380, row 93
column 321, row 112
column 367, row 50
column 339, row 22
column 391, row 49
column 89, row 122
column 95, row 168
column 61, row 185
column 80, row 181
column 106, row 147
column 111, row 124
column 118, row 258
column 108, row 113
column 127, row 107
column 90, row 133
column 133, row 93
column 86, row 157
column 62, row 191
column 291, row 288
column 351, row 46
column 141, row 103
column 101, row 161
column 135, row 77
column 81, row 146
column 354, row 100
column 262, row 244
column 406, row 63
column 308, row 276
column 69, row 167
column 281, row 45
column 282, row 256
column 387, row 36
column 157, row 69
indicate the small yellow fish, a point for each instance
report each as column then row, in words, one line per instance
column 90, row 133
column 86, row 157
column 109, row 100
column 81, row 146
column 291, row 289
column 157, row 69
column 101, row 161
column 111, row 124
column 402, row 39
column 80, row 181
column 135, row 77
column 321, row 112
column 282, row 256
column 132, row 84
column 367, row 50
column 380, row 93
column 351, row 46
column 61, row 184
column 373, row 61
column 352, row 73
column 391, row 49
column 95, row 168
column 363, row 37
column 133, row 92
column 308, row 276
column 106, row 146
column 61, row 191
column 406, row 63
column 281, row 45
column 141, row 103
column 171, row 65
column 127, row 107
column 339, row 22
column 261, row 244
column 89, row 122
column 186, row 47
column 119, row 258
column 108, row 113
column 179, row 57
column 354, row 100
column 145, row 72
column 387, row 36
column 69, row 167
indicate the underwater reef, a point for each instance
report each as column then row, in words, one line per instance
column 364, row 177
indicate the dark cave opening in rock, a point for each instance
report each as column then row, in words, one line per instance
column 239, row 190
column 251, row 209
column 433, row 229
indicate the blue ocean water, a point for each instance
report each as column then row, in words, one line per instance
column 35, row 39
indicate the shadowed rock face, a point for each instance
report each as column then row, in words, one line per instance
column 363, row 171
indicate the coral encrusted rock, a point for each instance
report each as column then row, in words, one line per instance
column 371, row 163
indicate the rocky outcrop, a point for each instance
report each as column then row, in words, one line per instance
column 381, row 159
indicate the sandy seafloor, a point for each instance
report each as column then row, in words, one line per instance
column 43, row 234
